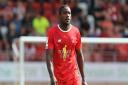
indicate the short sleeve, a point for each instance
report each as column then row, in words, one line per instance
column 50, row 40
column 78, row 44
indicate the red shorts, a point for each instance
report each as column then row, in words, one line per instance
column 70, row 82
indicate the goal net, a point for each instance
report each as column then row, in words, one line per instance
column 95, row 72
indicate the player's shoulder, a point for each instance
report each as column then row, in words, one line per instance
column 52, row 29
column 75, row 28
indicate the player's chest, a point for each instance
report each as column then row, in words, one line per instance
column 62, row 39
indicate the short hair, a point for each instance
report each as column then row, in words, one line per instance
column 65, row 1
column 62, row 7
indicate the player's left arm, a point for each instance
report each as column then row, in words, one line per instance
column 80, row 61
column 80, row 58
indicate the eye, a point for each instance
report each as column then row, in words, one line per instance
column 66, row 12
column 69, row 12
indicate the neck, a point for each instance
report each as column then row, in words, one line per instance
column 64, row 27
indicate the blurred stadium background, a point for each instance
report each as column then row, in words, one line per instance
column 106, row 64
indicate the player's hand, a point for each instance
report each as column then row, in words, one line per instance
column 53, row 81
column 84, row 83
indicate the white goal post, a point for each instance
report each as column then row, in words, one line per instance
column 25, row 39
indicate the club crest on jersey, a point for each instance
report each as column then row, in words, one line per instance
column 59, row 40
column 64, row 52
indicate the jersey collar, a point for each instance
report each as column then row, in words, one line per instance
column 63, row 30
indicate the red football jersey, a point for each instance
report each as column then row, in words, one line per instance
column 64, row 44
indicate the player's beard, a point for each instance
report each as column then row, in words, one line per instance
column 67, row 22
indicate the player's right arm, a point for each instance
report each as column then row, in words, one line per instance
column 49, row 55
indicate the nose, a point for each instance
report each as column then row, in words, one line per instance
column 68, row 15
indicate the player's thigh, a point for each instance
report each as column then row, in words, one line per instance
column 76, row 82
column 70, row 82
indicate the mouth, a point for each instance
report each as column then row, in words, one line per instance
column 67, row 20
